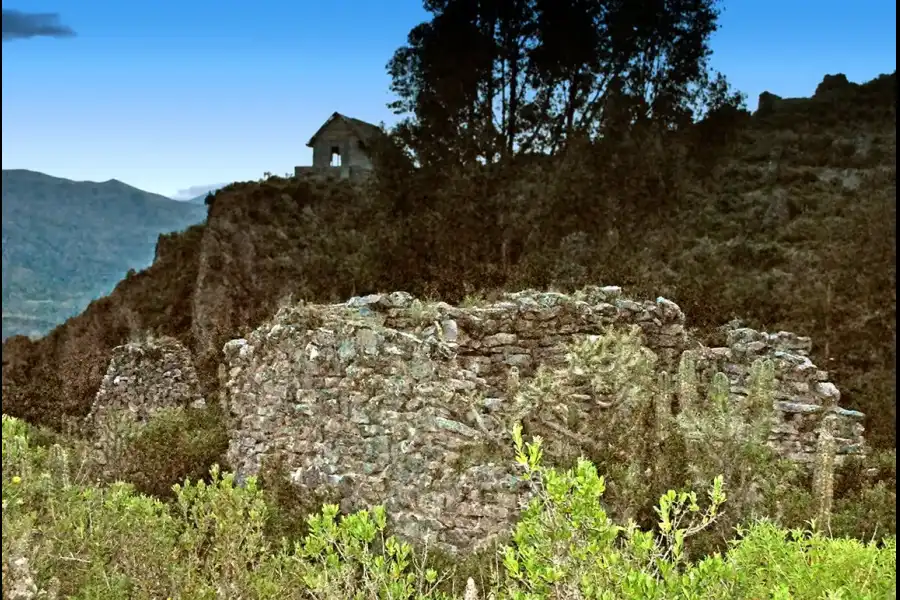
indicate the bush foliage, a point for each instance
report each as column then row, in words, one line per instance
column 175, row 445
column 63, row 538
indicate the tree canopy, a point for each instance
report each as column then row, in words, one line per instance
column 483, row 79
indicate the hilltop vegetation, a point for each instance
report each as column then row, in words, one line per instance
column 783, row 220
column 66, row 243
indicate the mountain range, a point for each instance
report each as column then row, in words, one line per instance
column 66, row 243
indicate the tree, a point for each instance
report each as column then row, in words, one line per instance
column 492, row 78
column 437, row 77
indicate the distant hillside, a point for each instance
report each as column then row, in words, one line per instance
column 67, row 242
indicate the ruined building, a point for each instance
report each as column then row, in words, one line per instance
column 386, row 399
column 341, row 148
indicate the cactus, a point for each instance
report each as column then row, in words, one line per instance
column 663, row 405
column 719, row 389
column 688, row 395
column 823, row 472
column 758, row 407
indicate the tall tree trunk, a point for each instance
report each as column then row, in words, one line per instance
column 489, row 33
column 572, row 98
column 504, row 103
column 513, row 99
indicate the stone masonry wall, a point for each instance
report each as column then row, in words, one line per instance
column 142, row 379
column 386, row 399
column 351, row 172
column 803, row 394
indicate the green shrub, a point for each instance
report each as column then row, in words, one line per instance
column 62, row 539
column 865, row 504
column 289, row 507
column 661, row 432
column 765, row 560
column 174, row 445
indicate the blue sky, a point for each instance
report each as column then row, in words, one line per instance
column 166, row 95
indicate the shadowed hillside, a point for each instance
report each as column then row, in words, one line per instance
column 68, row 242
column 784, row 219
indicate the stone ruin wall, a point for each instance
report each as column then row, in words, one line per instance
column 387, row 400
column 142, row 379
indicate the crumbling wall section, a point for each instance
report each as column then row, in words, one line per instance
column 377, row 414
column 142, row 379
column 529, row 328
column 803, row 394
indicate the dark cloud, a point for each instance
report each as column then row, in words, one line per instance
column 18, row 25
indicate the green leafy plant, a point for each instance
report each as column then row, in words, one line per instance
column 62, row 538
column 173, row 445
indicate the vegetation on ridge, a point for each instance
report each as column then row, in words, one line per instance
column 538, row 75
